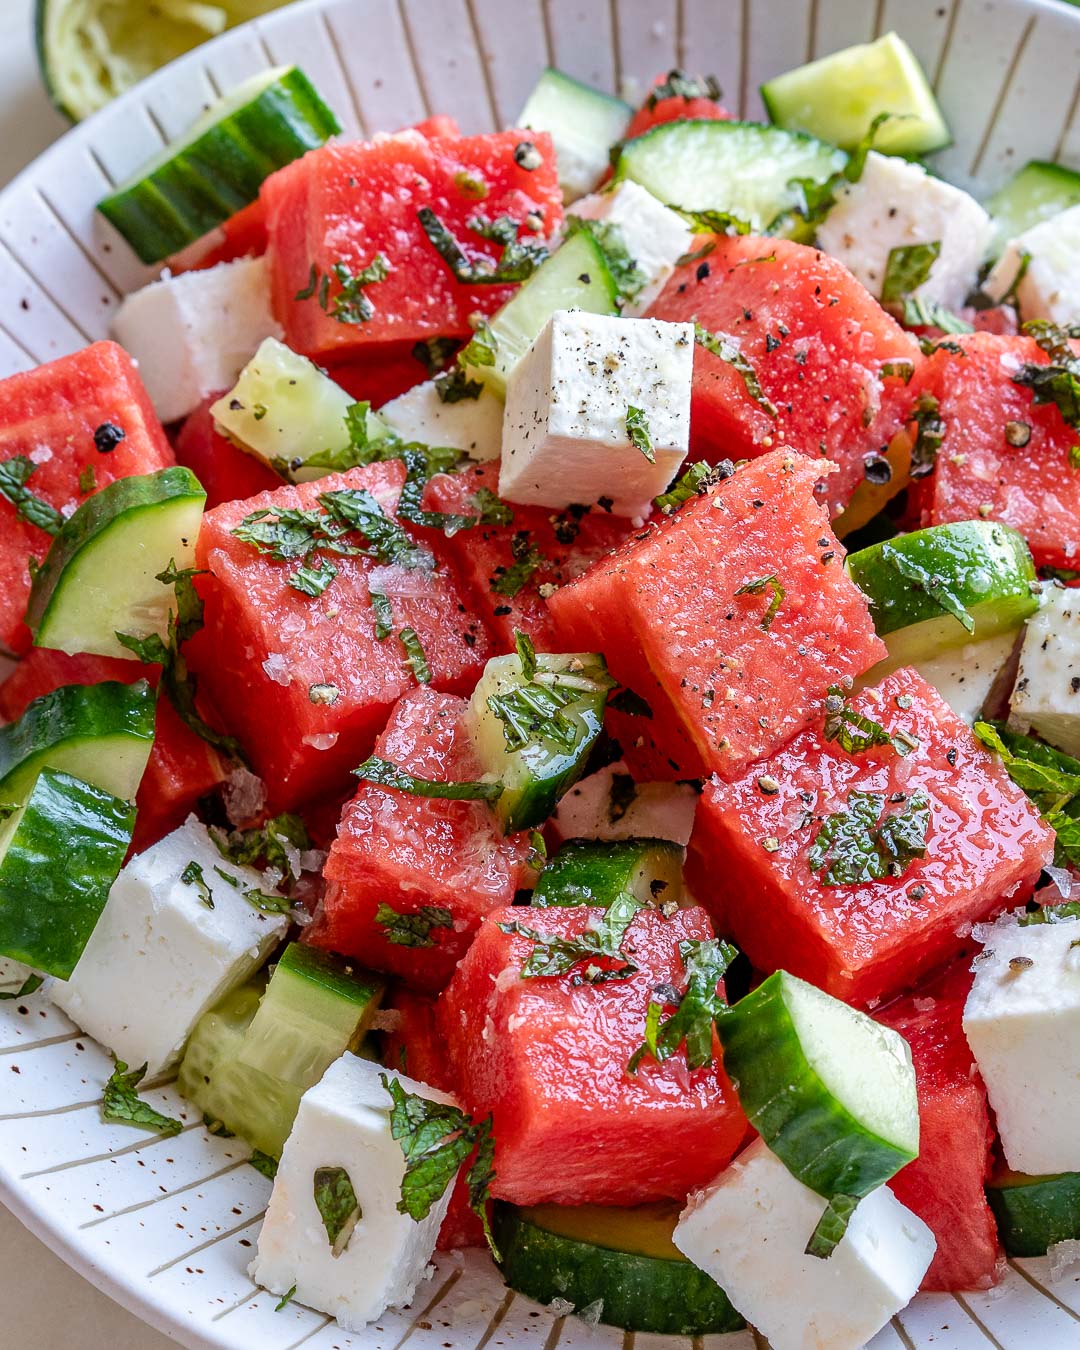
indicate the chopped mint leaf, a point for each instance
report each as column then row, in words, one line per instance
column 920, row 313
column 553, row 955
column 29, row 986
column 192, row 875
column 517, row 262
column 526, row 653
column 854, row 732
column 719, row 344
column 1048, row 776
column 906, row 268
column 1051, row 914
column 285, row 1300
column 855, row 845
column 87, row 479
column 929, row 434
column 121, row 1104
column 832, row 1226
column 414, row 655
column 818, row 199
column 696, row 1009
column 695, row 482
column 412, row 930
column 435, row 353
column 262, row 1162
column 14, row 475
column 338, row 1206
column 713, row 222
column 929, row 583
column 454, row 385
column 533, row 712
column 269, row 845
column 482, row 347
column 313, row 578
column 759, row 586
column 385, row 774
column 350, row 305
column 266, row 902
column 384, row 614
column 527, row 560
column 898, row 370
column 1058, row 382
column 493, row 510
column 637, row 428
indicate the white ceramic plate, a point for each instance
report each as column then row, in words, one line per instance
column 168, row 1227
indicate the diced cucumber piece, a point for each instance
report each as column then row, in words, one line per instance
column 576, row 276
column 220, row 163
column 583, row 124
column 534, row 735
column 620, row 1262
column 257, row 1106
column 831, row 1091
column 1033, row 1213
column 1034, row 194
column 596, row 872
column 748, row 170
column 287, row 412
column 102, row 733
column 838, row 97
column 59, row 854
column 945, row 586
column 316, row 1007
column 100, row 574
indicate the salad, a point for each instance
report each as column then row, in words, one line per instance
column 548, row 695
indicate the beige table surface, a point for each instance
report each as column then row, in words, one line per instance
column 45, row 1305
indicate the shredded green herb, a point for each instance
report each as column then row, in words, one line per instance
column 274, row 844
column 1048, row 776
column 695, row 1009
column 678, row 84
column 854, row 732
column 929, row 434
column 384, row 615
column 921, row 313
column 29, row 986
column 262, row 1162
column 192, row 875
column 350, row 304
column 694, row 482
column 932, row 585
column 719, row 344
column 285, row 1300
column 857, row 845
column 517, row 262
column 385, row 774
column 1059, row 381
column 637, row 428
column 338, row 1207
column 415, row 658
column 906, row 268
column 758, row 586
column 482, row 348
column 412, row 930
column 527, row 561
column 434, row 354
column 832, row 1226
column 601, row 942
column 14, row 475
column 122, row 1105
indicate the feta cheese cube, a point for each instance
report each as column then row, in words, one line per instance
column 473, row 425
column 657, row 811
column 965, row 675
column 1050, row 286
column 1046, row 696
column 344, row 1121
column 192, row 334
column 895, row 204
column 565, row 436
column 160, row 956
column 1022, row 1021
column 749, row 1229
column 654, row 236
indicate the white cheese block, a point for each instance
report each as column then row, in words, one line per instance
column 192, row 334
column 473, row 425
column 1046, row 696
column 896, row 204
column 344, row 1121
column 565, row 438
column 749, row 1229
column 160, row 957
column 965, row 675
column 1022, row 1021
column 654, row 236
column 1050, row 286
column 656, row 811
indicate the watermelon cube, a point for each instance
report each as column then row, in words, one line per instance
column 944, row 1185
column 547, row 1056
column 818, row 343
column 83, row 421
column 507, row 568
column 1002, row 456
column 660, row 106
column 409, row 878
column 344, row 205
column 303, row 680
column 225, row 471
column 730, row 618
column 974, row 843
column 181, row 769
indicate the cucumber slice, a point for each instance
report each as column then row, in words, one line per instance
column 536, row 753
column 620, row 1262
column 1033, row 1213
column 830, row 1091
column 255, row 1105
column 100, row 574
column 220, row 163
column 838, row 97
column 1034, row 194
column 594, row 872
column 583, row 124
column 90, row 51
column 59, row 854
column 576, row 276
column 102, row 733
column 287, row 412
column 743, row 168
column 316, row 1007
column 945, row 586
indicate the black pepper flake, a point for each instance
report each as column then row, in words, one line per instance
column 877, row 469
column 107, row 437
column 917, row 892
column 702, row 271
column 502, row 610
column 606, row 503
column 951, row 755
column 527, row 157
column 771, row 343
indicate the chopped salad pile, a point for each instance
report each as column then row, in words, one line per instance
column 548, row 693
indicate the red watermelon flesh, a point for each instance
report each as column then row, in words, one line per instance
column 944, row 1185
column 485, row 556
column 265, row 645
column 817, row 341
column 985, row 846
column 49, row 415
column 181, row 768
column 226, row 472
column 547, row 1057
column 978, row 474
column 655, row 111
column 414, row 853
column 687, row 616
column 379, row 373
column 344, row 204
